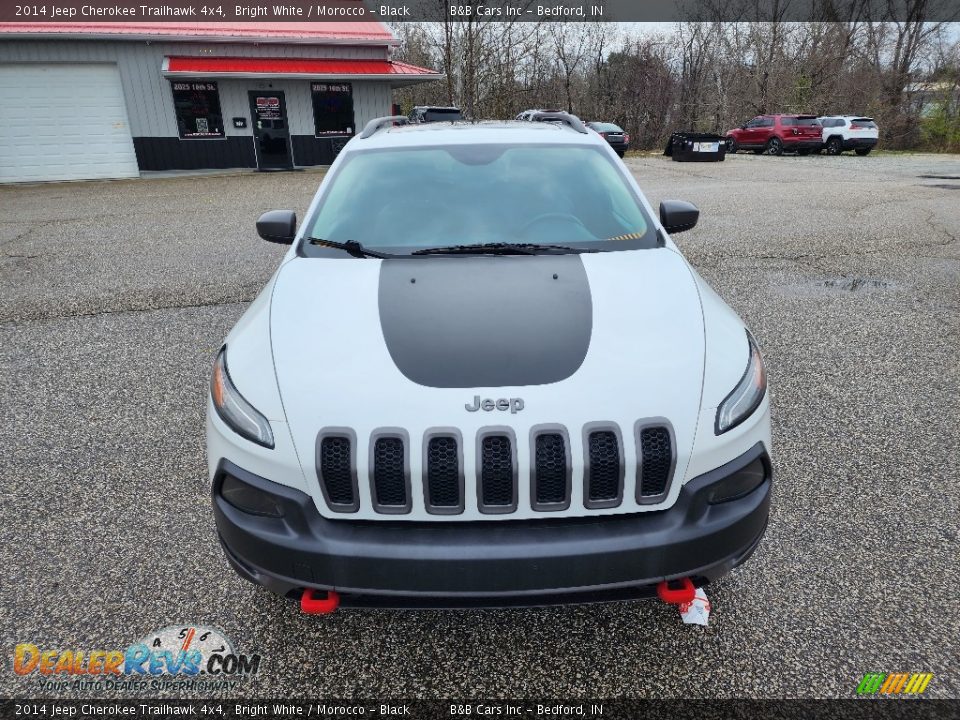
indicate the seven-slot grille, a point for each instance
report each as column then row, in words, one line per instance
column 497, row 490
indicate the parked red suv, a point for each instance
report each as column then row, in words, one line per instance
column 775, row 134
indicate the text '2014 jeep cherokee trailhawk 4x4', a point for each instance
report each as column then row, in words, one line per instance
column 483, row 374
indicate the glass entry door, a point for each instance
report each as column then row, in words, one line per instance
column 271, row 132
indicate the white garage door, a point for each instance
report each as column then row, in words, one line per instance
column 63, row 122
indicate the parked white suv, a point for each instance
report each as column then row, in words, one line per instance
column 484, row 374
column 529, row 115
column 849, row 132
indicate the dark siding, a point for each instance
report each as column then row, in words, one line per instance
column 309, row 150
column 170, row 153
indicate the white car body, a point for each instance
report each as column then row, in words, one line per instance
column 311, row 354
column 528, row 115
column 849, row 132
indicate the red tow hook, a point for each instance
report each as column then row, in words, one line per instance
column 313, row 603
column 677, row 595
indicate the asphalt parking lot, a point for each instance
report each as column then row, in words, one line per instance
column 114, row 297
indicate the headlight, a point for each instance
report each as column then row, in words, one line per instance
column 234, row 410
column 746, row 396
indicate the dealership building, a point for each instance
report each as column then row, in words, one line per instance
column 109, row 100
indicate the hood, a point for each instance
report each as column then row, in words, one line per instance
column 417, row 344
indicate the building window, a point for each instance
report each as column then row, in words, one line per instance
column 198, row 110
column 332, row 109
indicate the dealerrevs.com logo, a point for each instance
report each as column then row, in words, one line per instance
column 177, row 657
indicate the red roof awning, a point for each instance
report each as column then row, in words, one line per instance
column 320, row 68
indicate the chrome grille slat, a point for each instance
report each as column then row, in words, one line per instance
column 389, row 471
column 443, row 472
column 496, row 471
column 550, row 468
column 337, row 469
column 603, row 466
column 656, row 459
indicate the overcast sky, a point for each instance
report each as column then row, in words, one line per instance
column 953, row 29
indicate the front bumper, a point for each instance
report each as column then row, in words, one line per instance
column 494, row 563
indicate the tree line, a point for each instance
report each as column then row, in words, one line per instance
column 702, row 76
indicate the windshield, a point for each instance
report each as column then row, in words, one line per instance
column 606, row 127
column 403, row 199
column 801, row 121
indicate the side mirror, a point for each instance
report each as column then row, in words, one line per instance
column 677, row 216
column 278, row 226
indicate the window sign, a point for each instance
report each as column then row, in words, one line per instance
column 332, row 108
column 198, row 109
column 268, row 108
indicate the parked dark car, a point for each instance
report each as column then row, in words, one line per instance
column 776, row 134
column 430, row 113
column 613, row 134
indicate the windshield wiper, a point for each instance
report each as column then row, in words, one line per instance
column 351, row 246
column 497, row 248
column 357, row 250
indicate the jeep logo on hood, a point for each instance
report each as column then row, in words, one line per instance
column 514, row 405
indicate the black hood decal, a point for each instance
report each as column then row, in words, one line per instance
column 464, row 322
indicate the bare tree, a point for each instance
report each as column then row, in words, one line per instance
column 706, row 75
column 573, row 45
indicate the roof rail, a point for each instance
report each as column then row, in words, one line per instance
column 566, row 118
column 381, row 122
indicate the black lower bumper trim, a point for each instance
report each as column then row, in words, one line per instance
column 859, row 143
column 494, row 563
column 802, row 145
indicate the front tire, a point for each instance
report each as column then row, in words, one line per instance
column 774, row 146
column 834, row 146
column 731, row 146
column 620, row 153
column 863, row 151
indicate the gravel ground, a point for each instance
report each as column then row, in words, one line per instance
column 116, row 295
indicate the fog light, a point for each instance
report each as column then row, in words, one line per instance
column 743, row 482
column 248, row 498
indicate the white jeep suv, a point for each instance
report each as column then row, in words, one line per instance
column 484, row 374
column 849, row 132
